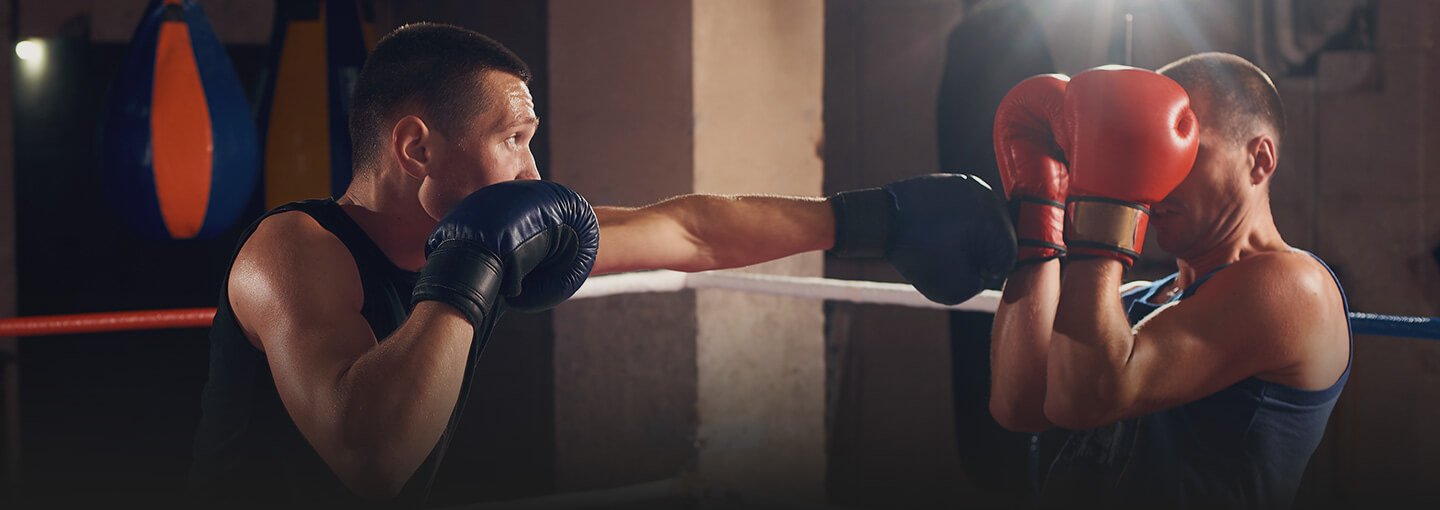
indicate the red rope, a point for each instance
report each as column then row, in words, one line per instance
column 106, row 322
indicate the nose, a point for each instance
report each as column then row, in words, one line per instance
column 531, row 170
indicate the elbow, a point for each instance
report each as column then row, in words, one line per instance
column 369, row 475
column 362, row 451
column 1017, row 417
column 1069, row 413
column 370, row 466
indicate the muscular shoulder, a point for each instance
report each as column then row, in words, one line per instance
column 1290, row 279
column 1298, row 309
column 291, row 267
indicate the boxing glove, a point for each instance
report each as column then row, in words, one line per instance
column 531, row 243
column 1029, row 130
column 1133, row 138
column 948, row 234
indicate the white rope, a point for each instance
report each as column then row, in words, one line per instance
column 878, row 293
column 631, row 283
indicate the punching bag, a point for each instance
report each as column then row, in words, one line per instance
column 179, row 151
column 995, row 46
column 319, row 47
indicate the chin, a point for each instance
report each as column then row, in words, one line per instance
column 1169, row 237
column 437, row 209
column 1168, row 247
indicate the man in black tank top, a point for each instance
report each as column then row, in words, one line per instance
column 344, row 337
column 1210, row 388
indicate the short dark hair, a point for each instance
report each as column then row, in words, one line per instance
column 1240, row 92
column 432, row 64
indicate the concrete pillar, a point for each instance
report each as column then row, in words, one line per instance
column 757, row 109
column 703, row 96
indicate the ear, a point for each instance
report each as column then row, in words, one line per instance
column 1264, row 159
column 410, row 142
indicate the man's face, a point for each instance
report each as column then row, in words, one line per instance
column 494, row 147
column 1207, row 205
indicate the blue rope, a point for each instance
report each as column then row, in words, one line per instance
column 1395, row 325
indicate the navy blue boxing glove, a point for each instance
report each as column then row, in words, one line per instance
column 530, row 243
column 949, row 235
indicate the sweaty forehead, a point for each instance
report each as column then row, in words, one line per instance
column 508, row 100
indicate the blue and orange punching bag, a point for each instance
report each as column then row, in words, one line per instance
column 318, row 49
column 179, row 150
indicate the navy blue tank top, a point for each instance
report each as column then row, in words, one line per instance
column 1245, row 446
column 248, row 451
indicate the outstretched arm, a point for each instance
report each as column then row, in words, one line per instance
column 947, row 234
column 704, row 232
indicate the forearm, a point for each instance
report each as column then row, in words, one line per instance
column 705, row 232
column 395, row 401
column 745, row 230
column 1091, row 347
column 1019, row 348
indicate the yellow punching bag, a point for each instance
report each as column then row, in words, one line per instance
column 318, row 49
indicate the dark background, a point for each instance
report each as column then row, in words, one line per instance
column 108, row 419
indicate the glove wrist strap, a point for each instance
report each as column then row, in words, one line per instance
column 1039, row 228
column 462, row 274
column 1106, row 227
column 862, row 222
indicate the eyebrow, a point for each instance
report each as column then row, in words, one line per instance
column 530, row 120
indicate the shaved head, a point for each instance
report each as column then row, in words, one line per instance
column 438, row 67
column 1241, row 99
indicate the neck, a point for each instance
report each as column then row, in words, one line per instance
column 1253, row 233
column 387, row 208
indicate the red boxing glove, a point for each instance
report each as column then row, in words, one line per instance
column 1028, row 130
column 1133, row 139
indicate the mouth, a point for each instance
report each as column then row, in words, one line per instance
column 1166, row 208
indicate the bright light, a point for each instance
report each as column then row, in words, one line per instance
column 30, row 50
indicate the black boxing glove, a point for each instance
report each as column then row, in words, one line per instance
column 949, row 235
column 531, row 243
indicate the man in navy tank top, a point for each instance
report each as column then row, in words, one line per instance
column 1209, row 388
column 347, row 328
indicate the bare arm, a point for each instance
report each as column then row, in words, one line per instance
column 1020, row 341
column 373, row 411
column 703, row 232
column 1274, row 316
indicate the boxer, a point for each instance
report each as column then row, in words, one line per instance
column 346, row 326
column 1209, row 388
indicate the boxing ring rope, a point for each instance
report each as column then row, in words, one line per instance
column 106, row 322
column 864, row 292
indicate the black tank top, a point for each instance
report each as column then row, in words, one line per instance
column 248, row 451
